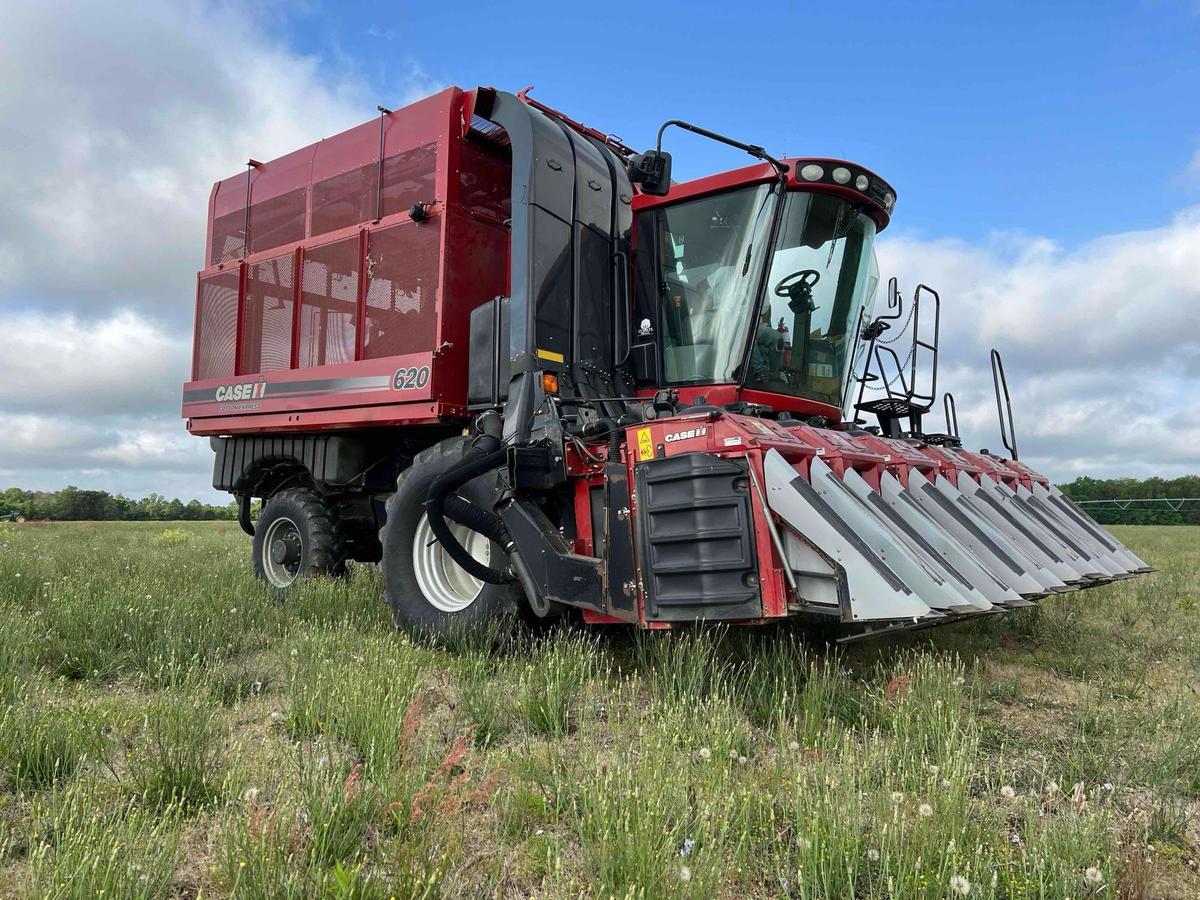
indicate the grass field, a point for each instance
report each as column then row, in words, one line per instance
column 170, row 730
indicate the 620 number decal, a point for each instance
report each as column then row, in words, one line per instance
column 412, row 378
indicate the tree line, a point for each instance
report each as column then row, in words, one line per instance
column 1085, row 488
column 75, row 504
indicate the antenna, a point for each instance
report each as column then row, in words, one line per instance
column 1008, row 435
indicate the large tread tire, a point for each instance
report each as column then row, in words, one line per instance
column 493, row 608
column 322, row 548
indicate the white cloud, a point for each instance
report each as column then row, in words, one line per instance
column 1101, row 343
column 121, row 364
column 115, row 120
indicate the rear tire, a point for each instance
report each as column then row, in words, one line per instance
column 297, row 536
column 430, row 595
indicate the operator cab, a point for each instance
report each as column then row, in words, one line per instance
column 750, row 284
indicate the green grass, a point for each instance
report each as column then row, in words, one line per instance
column 168, row 728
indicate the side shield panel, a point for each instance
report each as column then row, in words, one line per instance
column 837, row 561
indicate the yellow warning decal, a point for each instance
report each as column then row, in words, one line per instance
column 645, row 444
column 550, row 355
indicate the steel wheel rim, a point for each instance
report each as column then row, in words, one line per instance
column 282, row 572
column 446, row 585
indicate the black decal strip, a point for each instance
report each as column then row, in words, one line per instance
column 944, row 502
column 818, row 503
column 1012, row 520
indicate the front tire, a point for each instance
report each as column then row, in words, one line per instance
column 430, row 595
column 296, row 536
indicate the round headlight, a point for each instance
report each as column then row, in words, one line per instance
column 889, row 200
column 862, row 183
column 841, row 175
column 811, row 172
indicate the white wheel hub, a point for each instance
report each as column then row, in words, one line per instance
column 445, row 584
column 282, row 552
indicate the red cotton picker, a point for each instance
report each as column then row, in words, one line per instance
column 503, row 355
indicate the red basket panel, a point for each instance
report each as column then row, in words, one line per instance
column 403, row 267
column 329, row 304
column 409, row 178
column 277, row 221
column 216, row 325
column 345, row 199
column 228, row 238
column 267, row 324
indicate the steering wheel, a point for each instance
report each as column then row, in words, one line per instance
column 797, row 287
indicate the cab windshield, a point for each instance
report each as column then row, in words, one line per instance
column 711, row 255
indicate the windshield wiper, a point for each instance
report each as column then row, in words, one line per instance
column 754, row 231
column 838, row 231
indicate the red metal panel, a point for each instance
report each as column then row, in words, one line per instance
column 403, row 266
column 277, row 221
column 227, row 238
column 267, row 316
column 329, row 304
column 345, row 199
column 216, row 324
column 479, row 250
column 485, row 184
column 408, row 178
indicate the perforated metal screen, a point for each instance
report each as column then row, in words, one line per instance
column 216, row 325
column 329, row 304
column 402, row 290
column 267, row 322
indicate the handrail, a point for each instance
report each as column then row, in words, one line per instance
column 1008, row 434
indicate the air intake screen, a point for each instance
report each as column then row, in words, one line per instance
column 402, row 291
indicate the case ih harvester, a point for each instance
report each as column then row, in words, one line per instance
column 504, row 356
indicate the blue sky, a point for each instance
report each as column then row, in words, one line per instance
column 1046, row 156
column 1071, row 119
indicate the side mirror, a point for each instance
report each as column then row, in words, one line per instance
column 652, row 170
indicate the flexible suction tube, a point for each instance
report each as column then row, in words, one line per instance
column 441, row 503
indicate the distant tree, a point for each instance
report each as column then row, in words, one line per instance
column 1087, row 488
column 73, row 504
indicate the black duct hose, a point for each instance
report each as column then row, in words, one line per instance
column 441, row 503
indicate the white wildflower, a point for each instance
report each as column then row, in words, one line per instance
column 924, row 810
column 793, row 746
column 960, row 680
column 688, row 846
column 685, row 874
column 1052, row 788
column 1008, row 793
column 873, row 855
column 960, row 886
column 705, row 753
column 250, row 795
column 742, row 760
column 733, row 754
column 276, row 716
column 233, row 610
column 897, row 796
column 1093, row 877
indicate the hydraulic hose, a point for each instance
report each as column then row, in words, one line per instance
column 441, row 503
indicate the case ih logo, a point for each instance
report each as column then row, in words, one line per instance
column 251, row 390
column 686, row 435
